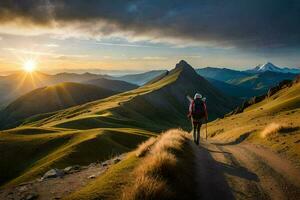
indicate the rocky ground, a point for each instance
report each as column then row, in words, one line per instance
column 58, row 183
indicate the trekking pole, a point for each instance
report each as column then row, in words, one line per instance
column 190, row 99
column 206, row 130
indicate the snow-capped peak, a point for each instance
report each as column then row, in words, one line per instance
column 272, row 68
column 268, row 67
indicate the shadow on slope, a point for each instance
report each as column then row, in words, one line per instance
column 38, row 152
column 49, row 99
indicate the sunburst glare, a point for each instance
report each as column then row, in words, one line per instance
column 30, row 65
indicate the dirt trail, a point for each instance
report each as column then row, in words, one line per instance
column 54, row 188
column 235, row 171
column 57, row 188
column 244, row 171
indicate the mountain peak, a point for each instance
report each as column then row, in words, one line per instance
column 268, row 67
column 184, row 66
column 182, row 69
column 269, row 63
column 183, row 62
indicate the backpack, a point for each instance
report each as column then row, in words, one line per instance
column 198, row 111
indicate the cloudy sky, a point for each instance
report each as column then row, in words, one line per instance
column 148, row 34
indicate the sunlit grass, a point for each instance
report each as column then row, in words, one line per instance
column 273, row 122
column 157, row 175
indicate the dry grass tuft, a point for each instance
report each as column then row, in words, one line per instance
column 271, row 129
column 157, row 175
column 161, row 164
column 147, row 187
column 171, row 140
column 274, row 128
column 145, row 147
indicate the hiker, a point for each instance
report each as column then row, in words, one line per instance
column 197, row 113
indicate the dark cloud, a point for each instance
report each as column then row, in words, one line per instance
column 242, row 23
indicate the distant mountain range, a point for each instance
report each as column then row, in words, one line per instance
column 240, row 84
column 221, row 74
column 141, row 78
column 247, row 83
column 19, row 83
column 113, row 85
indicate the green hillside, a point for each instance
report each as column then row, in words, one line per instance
column 49, row 99
column 36, row 150
column 273, row 122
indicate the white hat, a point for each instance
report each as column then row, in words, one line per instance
column 197, row 96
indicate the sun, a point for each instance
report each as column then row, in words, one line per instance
column 29, row 65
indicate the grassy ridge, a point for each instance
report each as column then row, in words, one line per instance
column 150, row 172
column 21, row 151
column 36, row 150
